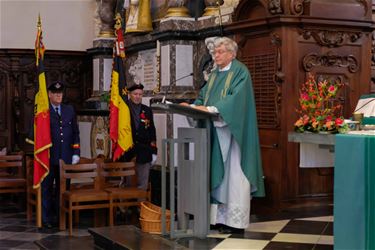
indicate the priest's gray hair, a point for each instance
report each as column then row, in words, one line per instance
column 228, row 43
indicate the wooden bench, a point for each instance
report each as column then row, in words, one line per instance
column 12, row 175
column 34, row 196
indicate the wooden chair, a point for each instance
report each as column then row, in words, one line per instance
column 12, row 175
column 119, row 195
column 79, row 184
column 80, row 199
column 33, row 196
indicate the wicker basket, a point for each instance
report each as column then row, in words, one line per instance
column 153, row 226
column 152, row 212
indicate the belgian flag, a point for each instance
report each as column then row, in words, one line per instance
column 42, row 135
column 120, row 122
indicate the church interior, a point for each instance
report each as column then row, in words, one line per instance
column 319, row 186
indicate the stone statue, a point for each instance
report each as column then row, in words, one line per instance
column 106, row 11
column 176, row 3
column 136, row 70
column 207, row 64
column 138, row 16
column 176, row 8
column 210, row 65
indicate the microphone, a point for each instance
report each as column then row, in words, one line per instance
column 164, row 100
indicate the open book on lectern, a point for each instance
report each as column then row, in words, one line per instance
column 188, row 111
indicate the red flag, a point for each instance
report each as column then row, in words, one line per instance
column 42, row 134
column 120, row 124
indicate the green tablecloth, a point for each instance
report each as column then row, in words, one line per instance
column 354, row 192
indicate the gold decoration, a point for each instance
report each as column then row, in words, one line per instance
column 138, row 16
column 100, row 141
column 176, row 8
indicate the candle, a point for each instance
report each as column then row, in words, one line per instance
column 157, row 48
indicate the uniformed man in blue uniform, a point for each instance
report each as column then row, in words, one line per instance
column 65, row 146
column 144, row 135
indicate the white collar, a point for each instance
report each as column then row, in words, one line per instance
column 54, row 107
column 226, row 67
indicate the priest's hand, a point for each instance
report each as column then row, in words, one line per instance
column 203, row 108
column 184, row 104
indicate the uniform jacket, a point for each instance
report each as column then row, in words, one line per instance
column 64, row 135
column 144, row 138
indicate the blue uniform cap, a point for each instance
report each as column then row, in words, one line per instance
column 57, row 86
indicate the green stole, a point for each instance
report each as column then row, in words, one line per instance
column 232, row 94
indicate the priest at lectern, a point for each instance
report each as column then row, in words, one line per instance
column 236, row 169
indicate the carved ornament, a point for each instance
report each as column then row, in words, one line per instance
column 373, row 49
column 274, row 7
column 330, row 38
column 278, row 77
column 330, row 60
column 296, row 7
column 365, row 5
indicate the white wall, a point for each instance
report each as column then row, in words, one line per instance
column 66, row 24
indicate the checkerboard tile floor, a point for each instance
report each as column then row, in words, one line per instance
column 291, row 230
column 299, row 233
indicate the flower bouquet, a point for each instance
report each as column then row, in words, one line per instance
column 319, row 109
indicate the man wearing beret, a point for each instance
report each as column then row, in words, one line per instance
column 65, row 146
column 144, row 136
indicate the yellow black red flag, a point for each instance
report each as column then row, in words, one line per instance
column 42, row 134
column 120, row 122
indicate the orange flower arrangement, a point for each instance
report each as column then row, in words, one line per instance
column 319, row 110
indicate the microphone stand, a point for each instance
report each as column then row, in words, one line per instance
column 220, row 19
column 167, row 90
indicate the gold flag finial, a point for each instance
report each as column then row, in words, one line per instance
column 118, row 23
column 39, row 46
column 39, row 24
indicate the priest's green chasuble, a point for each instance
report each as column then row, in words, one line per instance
column 232, row 94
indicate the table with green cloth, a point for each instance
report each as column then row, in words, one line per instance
column 354, row 192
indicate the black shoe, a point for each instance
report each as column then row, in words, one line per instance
column 215, row 227
column 47, row 225
column 231, row 230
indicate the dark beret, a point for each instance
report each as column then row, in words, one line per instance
column 135, row 86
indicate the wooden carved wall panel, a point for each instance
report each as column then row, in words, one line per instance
column 330, row 38
column 330, row 59
column 263, row 69
column 365, row 5
column 3, row 110
column 74, row 68
column 3, row 90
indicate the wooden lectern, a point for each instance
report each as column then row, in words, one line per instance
column 193, row 165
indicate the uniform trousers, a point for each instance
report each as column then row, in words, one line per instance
column 51, row 195
column 143, row 172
